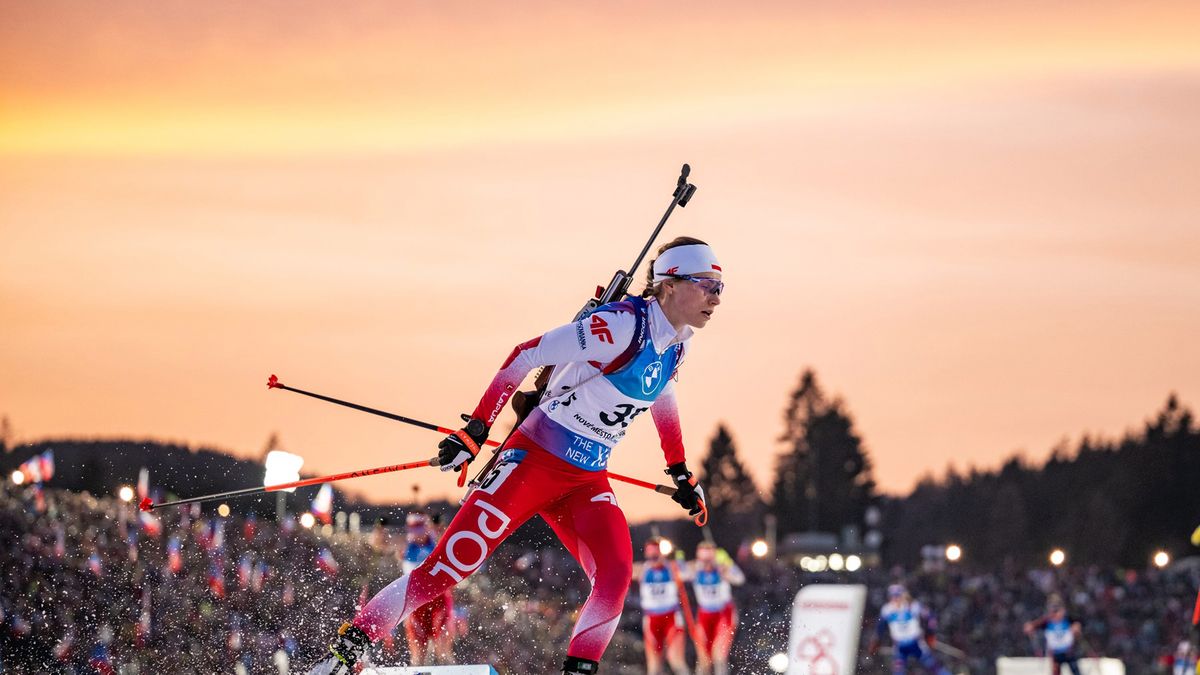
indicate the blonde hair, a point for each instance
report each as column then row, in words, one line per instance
column 655, row 289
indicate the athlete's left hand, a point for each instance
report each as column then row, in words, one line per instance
column 688, row 492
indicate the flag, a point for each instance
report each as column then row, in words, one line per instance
column 249, row 527
column 62, row 650
column 322, row 505
column 60, row 540
column 218, row 536
column 32, row 468
column 216, row 579
column 204, row 533
column 131, row 540
column 174, row 557
column 45, row 463
column 20, row 627
column 259, row 575
column 245, row 570
column 143, row 484
column 150, row 523
column 233, row 641
column 327, row 563
column 99, row 660
column 94, row 564
column 142, row 630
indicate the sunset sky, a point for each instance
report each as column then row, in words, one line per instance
column 977, row 221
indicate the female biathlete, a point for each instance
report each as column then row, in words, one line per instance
column 712, row 575
column 663, row 624
column 611, row 366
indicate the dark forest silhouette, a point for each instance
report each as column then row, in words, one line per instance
column 1103, row 501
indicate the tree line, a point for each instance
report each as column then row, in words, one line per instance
column 1102, row 501
column 1110, row 502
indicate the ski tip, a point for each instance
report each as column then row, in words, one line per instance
column 145, row 504
column 273, row 382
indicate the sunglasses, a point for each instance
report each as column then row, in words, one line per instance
column 711, row 286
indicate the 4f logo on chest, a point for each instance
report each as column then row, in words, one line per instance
column 600, row 329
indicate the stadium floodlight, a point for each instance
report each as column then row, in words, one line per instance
column 953, row 553
column 665, row 547
column 1057, row 557
column 1162, row 559
column 223, row 510
column 282, row 467
column 125, row 493
column 836, row 562
column 759, row 548
column 806, row 563
column 18, row 477
column 307, row 520
column 778, row 662
column 853, row 563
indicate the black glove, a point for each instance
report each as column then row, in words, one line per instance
column 460, row 447
column 688, row 492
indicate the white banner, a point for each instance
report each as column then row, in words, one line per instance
column 826, row 623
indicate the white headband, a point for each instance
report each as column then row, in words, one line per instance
column 690, row 259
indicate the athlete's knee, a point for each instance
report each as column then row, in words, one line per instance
column 613, row 575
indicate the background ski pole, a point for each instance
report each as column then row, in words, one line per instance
column 274, row 383
column 147, row 505
column 685, row 607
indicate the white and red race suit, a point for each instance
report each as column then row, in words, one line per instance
column 716, row 614
column 610, row 367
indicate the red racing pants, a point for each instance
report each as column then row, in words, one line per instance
column 662, row 634
column 716, row 629
column 578, row 505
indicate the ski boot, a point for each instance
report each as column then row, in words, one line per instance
column 577, row 666
column 345, row 654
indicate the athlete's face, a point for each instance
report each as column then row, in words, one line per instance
column 691, row 302
column 653, row 553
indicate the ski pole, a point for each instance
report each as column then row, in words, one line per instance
column 147, row 505
column 701, row 520
column 274, row 383
column 685, row 608
column 1196, row 612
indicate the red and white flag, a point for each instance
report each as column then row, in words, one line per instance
column 327, row 563
column 322, row 505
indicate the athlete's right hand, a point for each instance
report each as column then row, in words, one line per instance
column 460, row 447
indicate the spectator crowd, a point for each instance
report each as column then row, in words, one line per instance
column 90, row 585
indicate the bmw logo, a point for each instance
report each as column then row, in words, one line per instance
column 650, row 377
